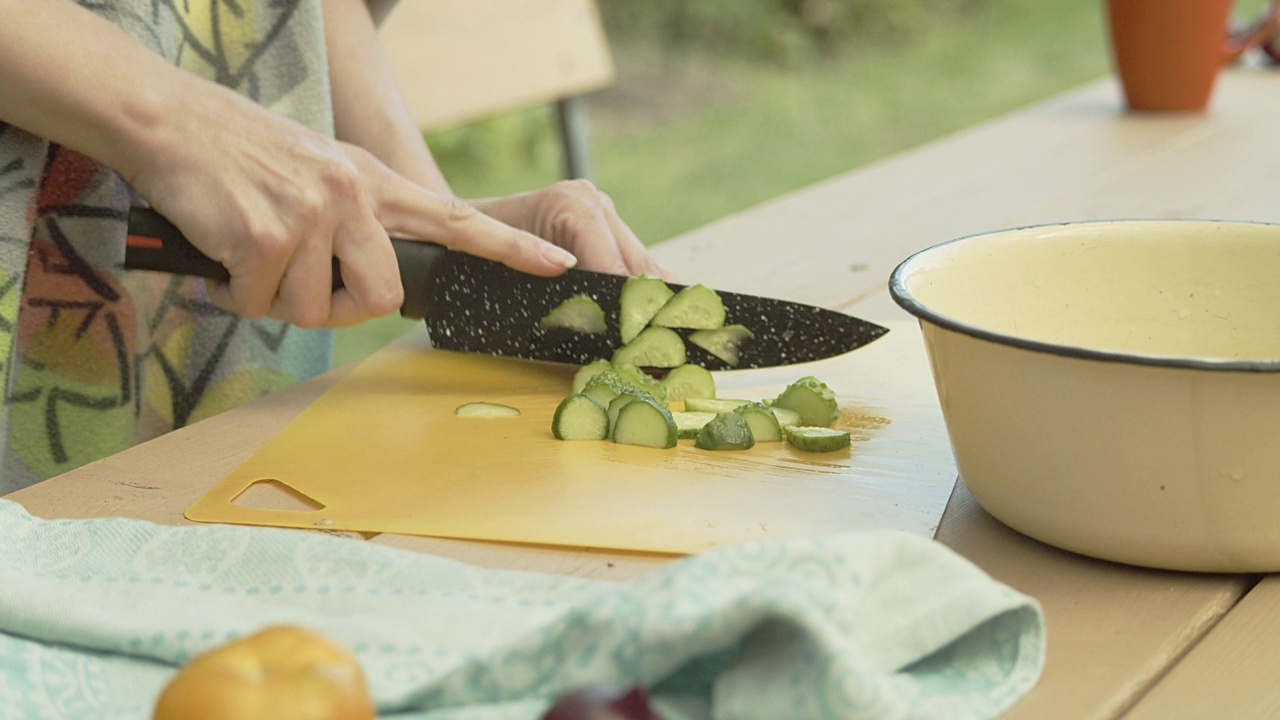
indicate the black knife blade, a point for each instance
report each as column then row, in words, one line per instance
column 475, row 305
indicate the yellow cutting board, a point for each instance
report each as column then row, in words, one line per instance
column 382, row 451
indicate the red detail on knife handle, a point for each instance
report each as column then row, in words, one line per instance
column 156, row 244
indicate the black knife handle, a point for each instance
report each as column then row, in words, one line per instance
column 156, row 244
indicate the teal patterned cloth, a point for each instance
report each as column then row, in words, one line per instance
column 96, row 616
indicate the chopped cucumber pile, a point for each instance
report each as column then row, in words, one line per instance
column 622, row 403
column 579, row 313
column 485, row 409
column 648, row 309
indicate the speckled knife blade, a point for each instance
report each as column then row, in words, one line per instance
column 484, row 307
column 475, row 305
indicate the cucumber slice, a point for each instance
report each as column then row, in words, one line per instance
column 640, row 379
column 810, row 397
column 580, row 417
column 485, row 409
column 689, row 423
column 606, row 386
column 786, row 418
column 689, row 381
column 655, row 347
column 645, row 422
column 764, row 426
column 714, row 405
column 588, row 372
column 639, row 301
column 817, row 439
column 616, row 405
column 723, row 342
column 696, row 307
column 725, row 431
column 579, row 313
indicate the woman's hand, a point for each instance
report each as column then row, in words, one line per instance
column 274, row 202
column 576, row 216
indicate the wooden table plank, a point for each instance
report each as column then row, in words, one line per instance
column 1232, row 672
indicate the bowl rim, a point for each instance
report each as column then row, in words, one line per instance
column 903, row 297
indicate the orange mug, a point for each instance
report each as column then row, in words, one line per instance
column 1169, row 52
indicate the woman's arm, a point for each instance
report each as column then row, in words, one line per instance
column 370, row 112
column 268, row 198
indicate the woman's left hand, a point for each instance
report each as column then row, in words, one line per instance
column 581, row 219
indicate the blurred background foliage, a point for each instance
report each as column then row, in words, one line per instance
column 723, row 104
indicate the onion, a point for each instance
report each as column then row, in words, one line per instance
column 602, row 703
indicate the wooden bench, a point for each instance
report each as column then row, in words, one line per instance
column 458, row 61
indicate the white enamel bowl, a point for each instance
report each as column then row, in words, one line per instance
column 1113, row 388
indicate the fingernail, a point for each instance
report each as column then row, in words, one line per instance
column 557, row 255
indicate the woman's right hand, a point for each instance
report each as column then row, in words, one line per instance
column 274, row 202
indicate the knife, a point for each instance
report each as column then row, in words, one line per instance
column 475, row 305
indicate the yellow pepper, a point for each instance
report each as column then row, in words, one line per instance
column 280, row 673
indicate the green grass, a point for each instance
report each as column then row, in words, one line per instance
column 777, row 129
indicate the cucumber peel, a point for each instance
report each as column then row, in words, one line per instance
column 640, row 299
column 588, row 372
column 643, row 381
column 580, row 417
column 812, row 399
column 696, row 307
column 818, row 439
column 725, row 431
column 579, row 313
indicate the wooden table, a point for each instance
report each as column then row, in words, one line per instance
column 1123, row 642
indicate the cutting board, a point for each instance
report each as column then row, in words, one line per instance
column 382, row 451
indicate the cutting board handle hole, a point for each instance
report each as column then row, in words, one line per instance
column 271, row 494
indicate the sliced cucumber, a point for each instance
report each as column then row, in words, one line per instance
column 639, row 301
column 644, row 381
column 811, row 398
column 714, row 405
column 689, row 423
column 689, row 381
column 786, row 418
column 485, row 409
column 695, row 307
column 725, row 431
column 817, row 439
column 607, row 385
column 764, row 426
column 579, row 313
column 616, row 405
column 580, row 417
column 588, row 372
column 655, row 347
column 645, row 422
column 723, row 342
